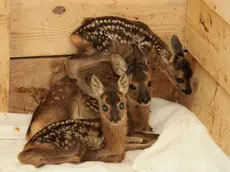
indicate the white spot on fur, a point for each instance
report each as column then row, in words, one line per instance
column 56, row 98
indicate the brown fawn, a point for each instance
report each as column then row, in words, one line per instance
column 63, row 101
column 139, row 94
column 67, row 101
column 75, row 141
column 99, row 34
column 179, row 71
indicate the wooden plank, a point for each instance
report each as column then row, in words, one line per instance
column 31, row 78
column 207, row 37
column 211, row 104
column 220, row 7
column 5, row 54
column 37, row 31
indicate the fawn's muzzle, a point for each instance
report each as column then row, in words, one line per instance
column 187, row 91
column 115, row 115
column 144, row 98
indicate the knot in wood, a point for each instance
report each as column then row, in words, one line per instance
column 59, row 10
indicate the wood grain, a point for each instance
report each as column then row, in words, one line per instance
column 220, row 7
column 31, row 79
column 40, row 29
column 210, row 102
column 207, row 38
column 5, row 54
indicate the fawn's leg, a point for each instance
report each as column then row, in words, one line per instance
column 133, row 139
column 104, row 155
column 143, row 135
column 137, row 146
column 140, row 137
column 82, row 46
column 49, row 154
column 60, row 160
column 75, row 65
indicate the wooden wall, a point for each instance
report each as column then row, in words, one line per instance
column 5, row 54
column 41, row 27
column 207, row 37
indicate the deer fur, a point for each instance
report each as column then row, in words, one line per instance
column 97, row 35
column 79, row 140
column 67, row 101
column 62, row 142
column 139, row 76
column 104, row 34
column 179, row 71
column 64, row 101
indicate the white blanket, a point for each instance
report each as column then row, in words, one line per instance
column 184, row 145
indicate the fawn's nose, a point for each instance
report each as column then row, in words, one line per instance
column 114, row 115
column 145, row 100
column 115, row 119
column 187, row 91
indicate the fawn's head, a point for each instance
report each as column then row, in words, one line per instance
column 179, row 70
column 112, row 102
column 139, row 73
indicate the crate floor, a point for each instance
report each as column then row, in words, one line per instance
column 184, row 145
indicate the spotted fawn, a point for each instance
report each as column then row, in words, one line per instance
column 77, row 140
column 102, row 34
column 139, row 93
column 98, row 34
column 64, row 101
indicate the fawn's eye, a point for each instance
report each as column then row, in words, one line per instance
column 132, row 87
column 149, row 83
column 121, row 105
column 105, row 108
column 180, row 80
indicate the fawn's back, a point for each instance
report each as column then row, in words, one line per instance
column 64, row 101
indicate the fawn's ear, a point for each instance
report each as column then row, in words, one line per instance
column 96, row 86
column 177, row 45
column 118, row 64
column 123, row 83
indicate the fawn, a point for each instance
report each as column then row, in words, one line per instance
column 99, row 34
column 179, row 70
column 79, row 140
column 67, row 101
column 139, row 94
column 63, row 101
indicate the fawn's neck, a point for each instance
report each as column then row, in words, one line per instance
column 115, row 134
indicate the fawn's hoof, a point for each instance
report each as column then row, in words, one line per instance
column 148, row 129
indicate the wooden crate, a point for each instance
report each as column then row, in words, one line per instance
column 39, row 44
column 48, row 35
column 5, row 54
column 207, row 37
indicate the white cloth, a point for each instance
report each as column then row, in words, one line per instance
column 183, row 146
